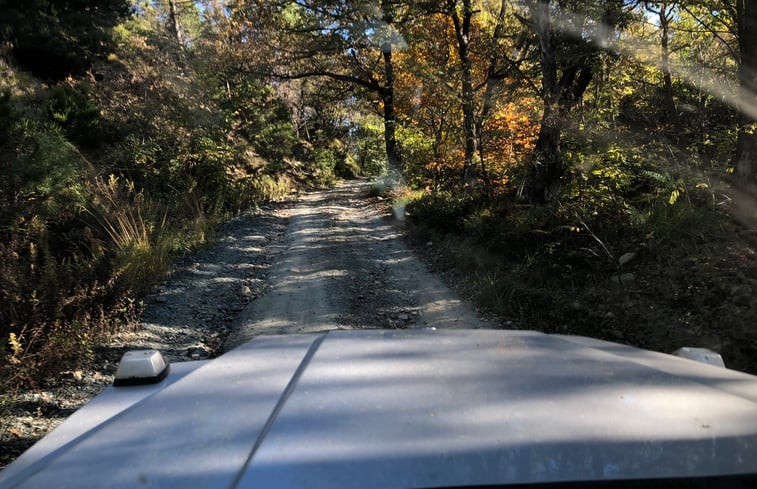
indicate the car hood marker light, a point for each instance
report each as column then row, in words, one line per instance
column 141, row 367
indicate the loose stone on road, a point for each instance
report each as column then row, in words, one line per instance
column 345, row 266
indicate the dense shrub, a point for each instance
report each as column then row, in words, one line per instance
column 446, row 210
column 370, row 150
column 636, row 250
column 61, row 38
column 75, row 111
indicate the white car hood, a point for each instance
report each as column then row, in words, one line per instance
column 407, row 408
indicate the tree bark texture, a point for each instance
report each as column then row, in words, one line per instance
column 745, row 159
column 390, row 116
column 493, row 80
column 560, row 95
column 173, row 19
column 546, row 167
column 462, row 32
column 667, row 78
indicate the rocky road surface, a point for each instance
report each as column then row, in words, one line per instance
column 345, row 266
column 332, row 259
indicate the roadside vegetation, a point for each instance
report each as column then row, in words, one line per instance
column 126, row 156
column 653, row 261
column 570, row 160
column 591, row 191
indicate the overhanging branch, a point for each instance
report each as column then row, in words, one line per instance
column 371, row 85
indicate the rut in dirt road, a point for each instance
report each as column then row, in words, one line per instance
column 345, row 266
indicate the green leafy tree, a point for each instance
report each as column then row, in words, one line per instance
column 569, row 38
column 665, row 13
column 54, row 39
column 352, row 43
column 461, row 16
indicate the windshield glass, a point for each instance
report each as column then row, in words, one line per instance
column 186, row 175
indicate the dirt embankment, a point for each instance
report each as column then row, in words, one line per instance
column 331, row 259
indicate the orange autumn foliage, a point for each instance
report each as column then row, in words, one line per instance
column 510, row 134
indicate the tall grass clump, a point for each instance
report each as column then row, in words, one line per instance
column 268, row 187
column 136, row 227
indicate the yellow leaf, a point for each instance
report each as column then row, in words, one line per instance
column 15, row 344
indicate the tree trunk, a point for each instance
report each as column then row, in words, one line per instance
column 173, row 19
column 390, row 115
column 745, row 164
column 462, row 31
column 493, row 80
column 667, row 78
column 745, row 159
column 487, row 104
column 576, row 72
column 546, row 165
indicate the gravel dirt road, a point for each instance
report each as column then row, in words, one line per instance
column 345, row 266
column 332, row 259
